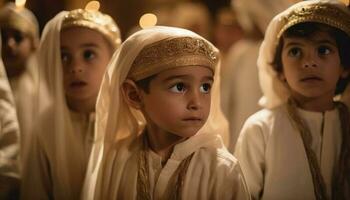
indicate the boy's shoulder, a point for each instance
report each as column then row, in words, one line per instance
column 215, row 154
column 268, row 115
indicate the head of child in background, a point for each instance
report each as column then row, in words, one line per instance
column 88, row 40
column 20, row 37
column 310, row 61
column 227, row 30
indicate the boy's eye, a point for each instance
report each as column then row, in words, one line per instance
column 323, row 50
column 294, row 52
column 205, row 88
column 178, row 88
column 88, row 55
column 65, row 58
column 18, row 37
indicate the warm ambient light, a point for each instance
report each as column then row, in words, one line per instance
column 148, row 20
column 93, row 6
column 20, row 3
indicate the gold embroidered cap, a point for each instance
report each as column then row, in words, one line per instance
column 323, row 12
column 171, row 53
column 19, row 18
column 95, row 20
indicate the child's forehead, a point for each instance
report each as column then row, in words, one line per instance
column 82, row 37
column 186, row 72
column 318, row 36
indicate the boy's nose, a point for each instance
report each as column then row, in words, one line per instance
column 310, row 61
column 76, row 67
column 194, row 101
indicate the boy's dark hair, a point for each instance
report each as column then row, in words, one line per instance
column 306, row 30
column 144, row 83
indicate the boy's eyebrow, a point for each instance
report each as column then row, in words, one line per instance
column 82, row 45
column 324, row 41
column 210, row 78
column 293, row 43
column 89, row 45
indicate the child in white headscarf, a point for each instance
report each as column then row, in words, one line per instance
column 20, row 37
column 154, row 122
column 298, row 146
column 75, row 49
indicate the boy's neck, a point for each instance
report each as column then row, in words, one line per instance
column 317, row 104
column 83, row 106
column 162, row 142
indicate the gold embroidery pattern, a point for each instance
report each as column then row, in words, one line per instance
column 94, row 20
column 325, row 14
column 173, row 52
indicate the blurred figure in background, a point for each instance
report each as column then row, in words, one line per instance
column 240, row 85
column 187, row 15
column 20, row 38
column 227, row 30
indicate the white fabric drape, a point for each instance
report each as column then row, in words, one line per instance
column 9, row 128
column 60, row 147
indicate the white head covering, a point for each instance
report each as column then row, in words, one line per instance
column 52, row 106
column 330, row 12
column 251, row 13
column 118, row 120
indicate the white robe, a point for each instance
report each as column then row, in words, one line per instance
column 213, row 172
column 24, row 88
column 56, row 164
column 272, row 155
column 9, row 129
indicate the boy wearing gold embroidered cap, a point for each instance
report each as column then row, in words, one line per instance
column 298, row 146
column 75, row 49
column 154, row 137
column 20, row 38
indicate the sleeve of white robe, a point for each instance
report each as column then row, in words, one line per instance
column 250, row 151
column 235, row 189
column 36, row 183
column 9, row 129
column 9, row 140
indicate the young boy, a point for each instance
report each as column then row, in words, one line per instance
column 298, row 147
column 154, row 102
column 75, row 49
column 20, row 38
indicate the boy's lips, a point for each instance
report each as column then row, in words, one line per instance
column 77, row 83
column 194, row 119
column 311, row 78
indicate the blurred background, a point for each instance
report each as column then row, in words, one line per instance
column 127, row 13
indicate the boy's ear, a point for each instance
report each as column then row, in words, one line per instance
column 345, row 73
column 281, row 76
column 132, row 94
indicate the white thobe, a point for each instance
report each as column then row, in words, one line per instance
column 273, row 158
